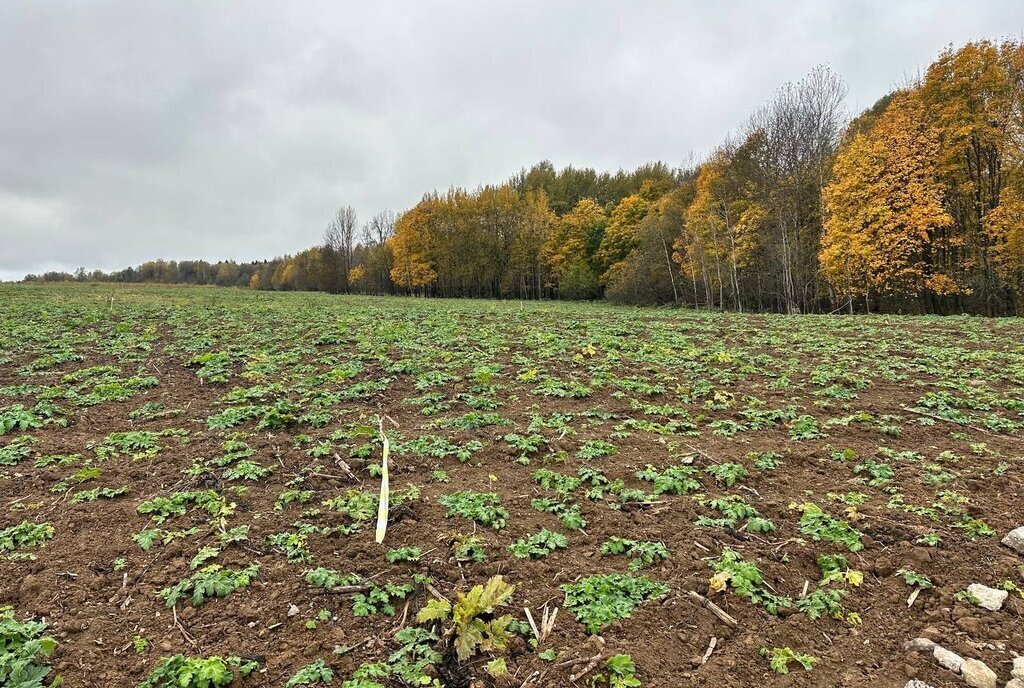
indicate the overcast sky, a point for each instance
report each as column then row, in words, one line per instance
column 204, row 129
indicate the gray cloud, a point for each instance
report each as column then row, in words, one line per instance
column 223, row 130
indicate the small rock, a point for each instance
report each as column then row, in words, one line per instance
column 988, row 598
column 920, row 645
column 947, row 660
column 1015, row 539
column 292, row 611
column 977, row 674
column 916, row 684
column 971, row 624
column 1018, row 668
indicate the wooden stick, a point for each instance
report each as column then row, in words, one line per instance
column 591, row 665
column 349, row 589
column 704, row 602
column 533, row 626
column 707, row 653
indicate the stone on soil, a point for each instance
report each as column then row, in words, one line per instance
column 1018, row 668
column 948, row 660
column 988, row 598
column 1015, row 539
column 977, row 674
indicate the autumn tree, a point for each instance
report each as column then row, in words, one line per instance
column 885, row 209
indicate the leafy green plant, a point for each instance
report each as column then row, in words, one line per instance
column 746, row 580
column 209, row 582
column 913, row 578
column 673, row 480
column 599, row 600
column 596, row 449
column 468, row 548
column 411, row 554
column 539, row 544
column 316, row 672
column 368, row 598
column 24, row 652
column 727, row 473
column 818, row 525
column 779, row 659
column 198, row 672
column 878, row 472
column 822, row 603
column 643, row 553
column 482, row 507
column 471, row 624
column 25, row 534
column 569, row 514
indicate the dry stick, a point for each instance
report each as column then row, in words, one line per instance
column 433, row 591
column 533, row 626
column 548, row 625
column 184, row 634
column 574, row 662
column 701, row 452
column 704, row 602
column 348, row 589
column 591, row 665
column 529, row 679
column 707, row 653
column 405, row 614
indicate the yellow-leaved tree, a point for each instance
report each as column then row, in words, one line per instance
column 884, row 206
column 412, row 270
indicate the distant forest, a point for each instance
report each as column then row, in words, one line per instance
column 916, row 205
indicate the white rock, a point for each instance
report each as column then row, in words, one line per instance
column 292, row 610
column 988, row 598
column 948, row 660
column 1015, row 683
column 916, row 684
column 977, row 674
column 920, row 645
column 1018, row 668
column 1015, row 539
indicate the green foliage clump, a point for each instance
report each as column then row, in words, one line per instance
column 621, row 673
column 482, row 507
column 745, row 580
column 23, row 652
column 197, row 672
column 643, row 553
column 673, row 480
column 599, row 600
column 25, row 534
column 779, row 659
column 539, row 544
column 569, row 514
column 369, row 598
column 209, row 582
column 471, row 623
column 727, row 473
column 315, row 672
column 162, row 508
column 468, row 548
column 411, row 554
column 818, row 525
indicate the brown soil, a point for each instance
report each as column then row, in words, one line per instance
column 94, row 612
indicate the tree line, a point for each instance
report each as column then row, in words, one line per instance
column 915, row 205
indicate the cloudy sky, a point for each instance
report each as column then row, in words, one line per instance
column 205, row 129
